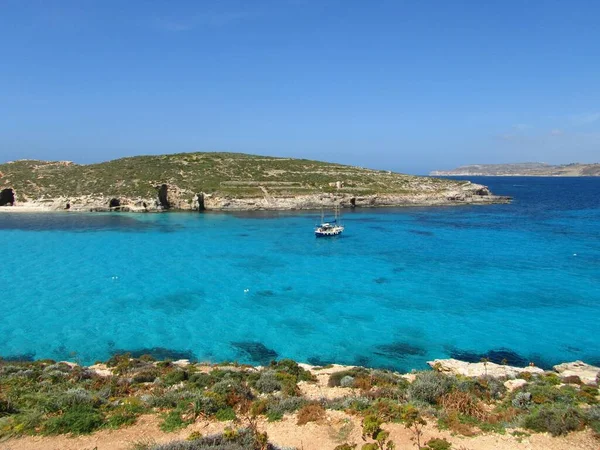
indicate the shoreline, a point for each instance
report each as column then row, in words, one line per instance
column 493, row 200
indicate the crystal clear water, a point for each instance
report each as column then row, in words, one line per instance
column 400, row 287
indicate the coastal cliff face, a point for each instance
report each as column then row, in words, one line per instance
column 222, row 181
column 524, row 170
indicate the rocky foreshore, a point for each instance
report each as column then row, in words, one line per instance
column 175, row 200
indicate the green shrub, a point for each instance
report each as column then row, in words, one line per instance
column 557, row 420
column 225, row 414
column 146, row 376
column 428, row 387
column 438, row 444
column 291, row 367
column 172, row 421
column 174, row 377
column 80, row 419
column 268, row 382
column 335, row 379
column 120, row 418
column 592, row 418
column 588, row 394
column 277, row 407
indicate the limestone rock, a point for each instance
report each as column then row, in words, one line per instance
column 511, row 385
column 182, row 363
column 456, row 367
column 101, row 370
column 586, row 373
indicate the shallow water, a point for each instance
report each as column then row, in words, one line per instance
column 400, row 287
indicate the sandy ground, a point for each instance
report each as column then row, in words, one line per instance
column 336, row 429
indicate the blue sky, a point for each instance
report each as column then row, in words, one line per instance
column 404, row 85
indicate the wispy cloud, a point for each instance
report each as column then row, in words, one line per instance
column 522, row 127
column 584, row 119
column 556, row 132
column 210, row 19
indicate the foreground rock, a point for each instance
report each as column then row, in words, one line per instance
column 586, row 373
column 466, row 369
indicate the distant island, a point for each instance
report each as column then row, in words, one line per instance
column 220, row 181
column 523, row 169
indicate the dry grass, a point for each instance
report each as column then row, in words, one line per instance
column 463, row 403
column 313, row 412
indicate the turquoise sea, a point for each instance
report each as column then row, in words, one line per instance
column 400, row 287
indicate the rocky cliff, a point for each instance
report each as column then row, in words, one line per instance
column 221, row 181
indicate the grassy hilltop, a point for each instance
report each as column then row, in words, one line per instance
column 226, row 174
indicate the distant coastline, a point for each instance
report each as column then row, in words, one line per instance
column 523, row 170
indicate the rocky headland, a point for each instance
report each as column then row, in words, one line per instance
column 221, row 181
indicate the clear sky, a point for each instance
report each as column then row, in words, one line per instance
column 404, row 85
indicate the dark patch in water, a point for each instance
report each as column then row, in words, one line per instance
column 256, row 351
column 243, row 235
column 498, row 356
column 572, row 349
column 159, row 353
column 398, row 269
column 381, row 280
column 62, row 353
column 422, row 233
column 288, row 288
column 266, row 293
column 362, row 360
column 399, row 350
column 23, row 357
column 181, row 301
column 319, row 361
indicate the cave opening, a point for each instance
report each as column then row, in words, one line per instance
column 163, row 199
column 7, row 197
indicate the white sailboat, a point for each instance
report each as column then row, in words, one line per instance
column 330, row 228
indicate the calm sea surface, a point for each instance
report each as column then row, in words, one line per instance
column 402, row 286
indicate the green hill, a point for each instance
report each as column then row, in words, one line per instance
column 218, row 175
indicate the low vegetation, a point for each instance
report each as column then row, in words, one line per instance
column 48, row 398
column 226, row 174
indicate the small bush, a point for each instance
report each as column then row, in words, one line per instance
column 233, row 391
column 268, row 382
column 588, row 394
column 172, row 421
column 174, row 377
column 438, row 444
column 78, row 420
column 522, row 400
column 146, row 376
column 556, row 420
column 428, row 387
column 463, row 403
column 347, row 381
column 313, row 412
column 225, row 414
column 335, row 379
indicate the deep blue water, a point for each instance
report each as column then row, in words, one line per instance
column 400, row 287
